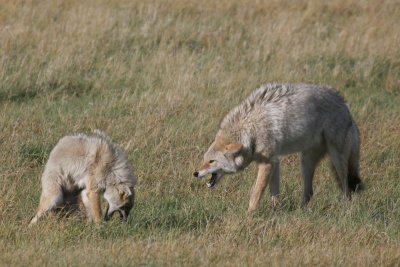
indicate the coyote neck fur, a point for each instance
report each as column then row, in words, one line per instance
column 241, row 123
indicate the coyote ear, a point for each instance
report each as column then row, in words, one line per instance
column 124, row 192
column 233, row 148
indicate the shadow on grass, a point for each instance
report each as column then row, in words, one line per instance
column 19, row 96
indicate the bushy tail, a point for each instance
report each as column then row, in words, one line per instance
column 353, row 176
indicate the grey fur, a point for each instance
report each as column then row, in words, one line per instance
column 278, row 119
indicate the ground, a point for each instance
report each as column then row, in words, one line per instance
column 157, row 77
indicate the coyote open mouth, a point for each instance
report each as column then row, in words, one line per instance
column 213, row 180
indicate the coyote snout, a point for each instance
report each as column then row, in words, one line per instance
column 215, row 177
column 218, row 161
column 120, row 201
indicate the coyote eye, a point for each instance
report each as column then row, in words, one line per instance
column 211, row 161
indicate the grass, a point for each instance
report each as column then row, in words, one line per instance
column 158, row 76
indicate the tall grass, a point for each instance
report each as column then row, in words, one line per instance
column 158, row 76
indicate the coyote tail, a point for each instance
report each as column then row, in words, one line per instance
column 353, row 175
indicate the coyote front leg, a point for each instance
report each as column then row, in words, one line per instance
column 264, row 170
column 91, row 200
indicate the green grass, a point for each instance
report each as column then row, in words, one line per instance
column 158, row 77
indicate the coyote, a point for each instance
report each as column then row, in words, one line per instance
column 278, row 119
column 85, row 166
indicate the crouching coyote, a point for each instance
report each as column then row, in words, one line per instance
column 85, row 166
column 278, row 119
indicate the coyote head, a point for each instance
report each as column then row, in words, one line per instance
column 220, row 158
column 120, row 198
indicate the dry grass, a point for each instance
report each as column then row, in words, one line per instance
column 158, row 76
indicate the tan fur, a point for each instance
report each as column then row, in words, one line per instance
column 93, row 206
column 86, row 166
column 264, row 170
column 233, row 146
column 204, row 166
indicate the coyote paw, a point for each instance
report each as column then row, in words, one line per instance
column 275, row 200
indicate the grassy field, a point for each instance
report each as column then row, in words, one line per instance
column 158, row 76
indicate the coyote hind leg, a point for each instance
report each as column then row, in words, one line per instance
column 51, row 198
column 273, row 180
column 339, row 162
column 309, row 160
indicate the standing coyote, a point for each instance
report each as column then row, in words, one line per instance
column 86, row 166
column 278, row 119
